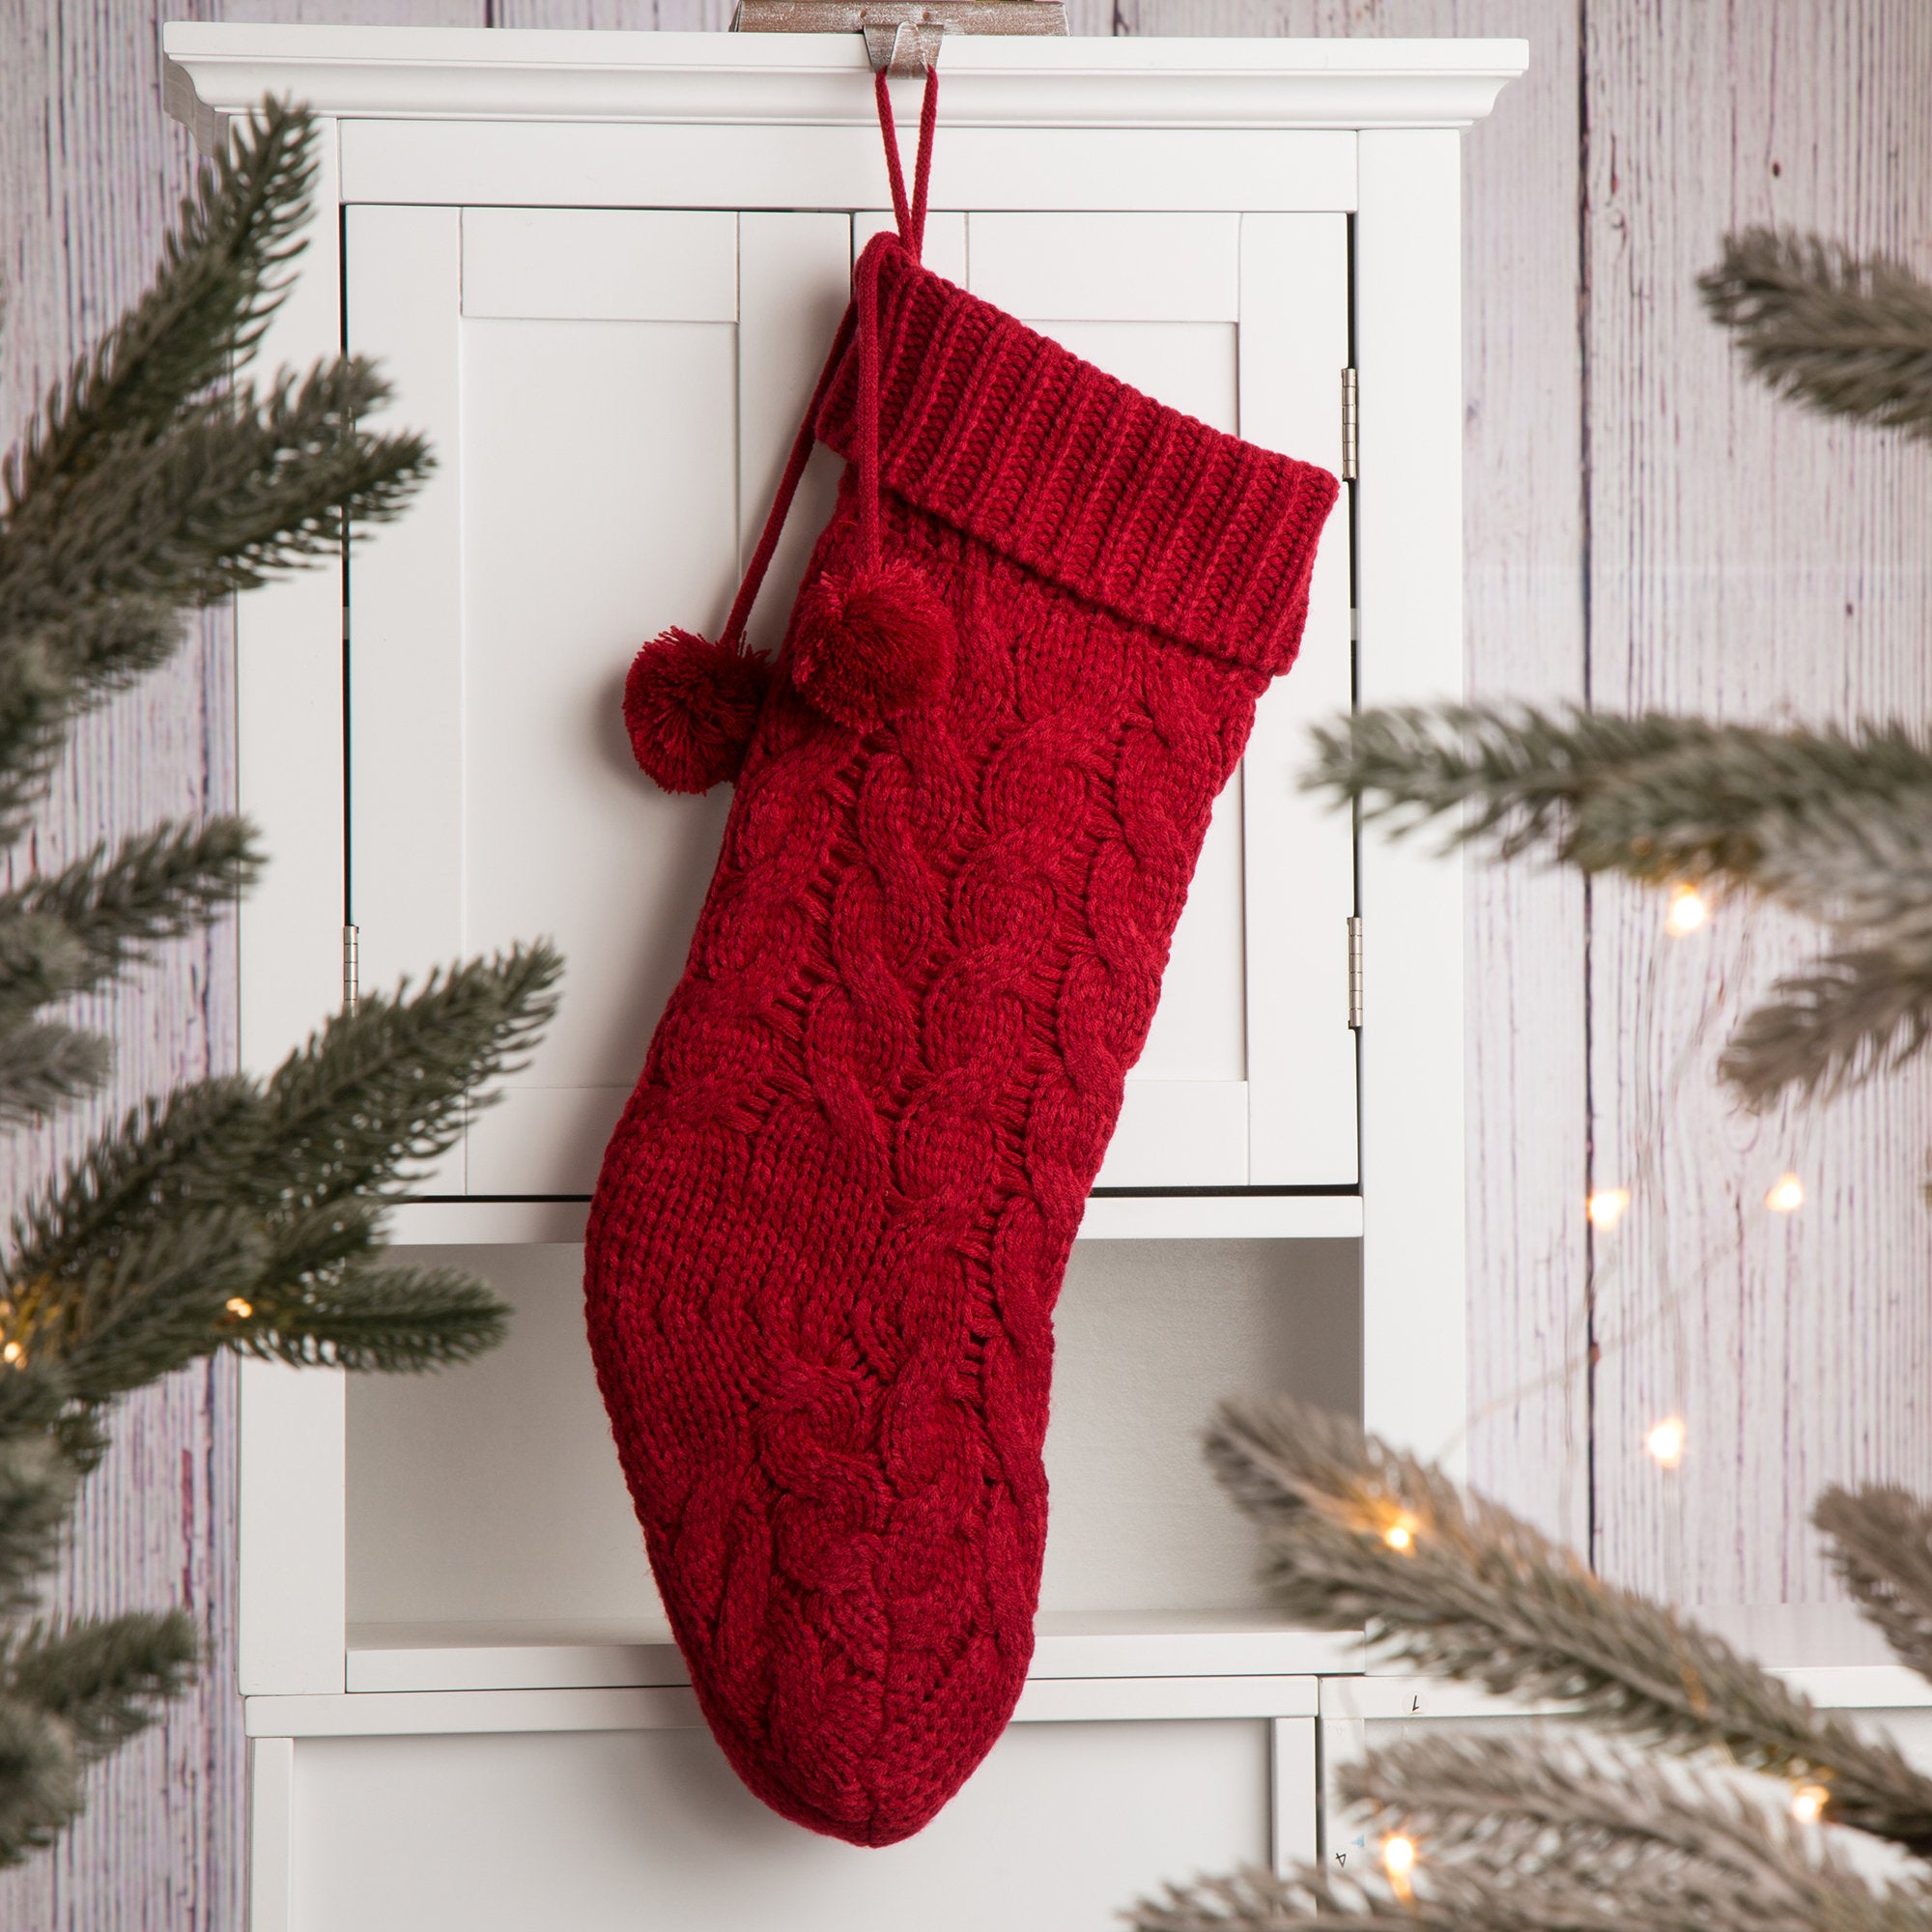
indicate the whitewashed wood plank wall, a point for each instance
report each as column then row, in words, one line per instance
column 1643, row 530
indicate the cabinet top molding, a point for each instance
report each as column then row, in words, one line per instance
column 497, row 74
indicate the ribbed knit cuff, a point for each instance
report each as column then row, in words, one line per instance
column 1011, row 439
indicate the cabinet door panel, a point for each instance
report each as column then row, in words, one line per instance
column 1060, row 1829
column 601, row 265
column 588, row 497
column 1115, row 267
column 1248, row 1076
column 596, row 490
column 794, row 276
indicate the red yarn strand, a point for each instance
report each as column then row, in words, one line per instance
column 921, row 173
column 894, row 173
column 911, row 219
column 862, row 315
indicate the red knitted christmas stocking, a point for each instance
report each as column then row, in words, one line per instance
column 832, row 1224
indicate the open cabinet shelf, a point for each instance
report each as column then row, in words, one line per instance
column 491, row 1544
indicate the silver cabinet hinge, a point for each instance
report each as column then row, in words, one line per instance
column 351, row 969
column 1355, row 971
column 1352, row 419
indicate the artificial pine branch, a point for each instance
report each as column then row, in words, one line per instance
column 159, row 1301
column 105, row 1678
column 237, row 1214
column 1855, row 1012
column 44, row 1064
column 1547, row 1832
column 235, row 491
column 1467, row 1590
column 240, row 1215
column 1555, row 1815
column 1842, row 335
column 48, row 671
column 226, row 268
column 389, row 1086
column 1653, row 796
column 1835, row 825
column 383, row 1315
column 1879, row 1539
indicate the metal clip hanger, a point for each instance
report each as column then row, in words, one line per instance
column 902, row 37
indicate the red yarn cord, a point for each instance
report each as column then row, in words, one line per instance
column 911, row 219
column 894, row 173
column 921, row 171
column 862, row 315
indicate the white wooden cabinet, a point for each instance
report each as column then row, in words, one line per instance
column 601, row 269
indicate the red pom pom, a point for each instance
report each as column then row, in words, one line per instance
column 870, row 646
column 692, row 706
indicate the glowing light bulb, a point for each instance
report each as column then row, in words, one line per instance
column 13, row 1352
column 1606, row 1208
column 1399, row 1860
column 1808, row 1802
column 1665, row 1442
column 1399, row 1536
column 1786, row 1195
column 240, row 1309
column 1687, row 911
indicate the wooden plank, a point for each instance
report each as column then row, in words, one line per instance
column 1524, row 1027
column 1751, row 562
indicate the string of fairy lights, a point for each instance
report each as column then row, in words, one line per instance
column 1687, row 911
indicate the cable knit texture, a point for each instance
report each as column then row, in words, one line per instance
column 832, row 1224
